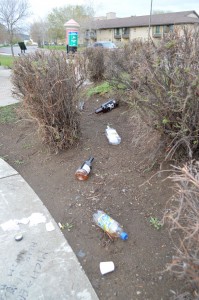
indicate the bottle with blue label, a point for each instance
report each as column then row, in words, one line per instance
column 109, row 225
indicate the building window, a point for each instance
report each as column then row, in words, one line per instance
column 168, row 28
column 157, row 29
column 125, row 30
column 117, row 31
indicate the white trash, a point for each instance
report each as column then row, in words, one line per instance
column 106, row 267
column 112, row 136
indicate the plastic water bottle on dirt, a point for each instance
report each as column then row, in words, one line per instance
column 112, row 136
column 109, row 225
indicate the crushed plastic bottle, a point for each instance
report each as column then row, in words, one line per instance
column 112, row 136
column 112, row 227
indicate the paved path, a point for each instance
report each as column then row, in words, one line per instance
column 5, row 88
column 41, row 266
column 16, row 49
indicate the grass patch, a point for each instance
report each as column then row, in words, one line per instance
column 6, row 61
column 19, row 162
column 8, row 114
column 56, row 47
column 100, row 89
column 26, row 146
column 5, row 157
column 62, row 47
column 155, row 223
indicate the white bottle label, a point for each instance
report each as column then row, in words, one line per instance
column 86, row 168
column 111, row 106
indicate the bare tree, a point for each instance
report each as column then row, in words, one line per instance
column 12, row 13
column 3, row 34
column 59, row 15
column 39, row 32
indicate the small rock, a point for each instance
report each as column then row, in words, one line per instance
column 18, row 237
column 81, row 253
column 138, row 292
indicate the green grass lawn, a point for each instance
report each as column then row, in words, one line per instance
column 100, row 89
column 6, row 60
column 62, row 48
column 56, row 47
column 8, row 113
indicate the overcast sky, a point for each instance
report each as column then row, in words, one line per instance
column 123, row 8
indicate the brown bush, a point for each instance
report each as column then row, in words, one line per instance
column 47, row 83
column 162, row 81
column 183, row 218
column 169, row 92
column 123, row 64
column 96, row 63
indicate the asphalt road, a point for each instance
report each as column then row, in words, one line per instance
column 7, row 50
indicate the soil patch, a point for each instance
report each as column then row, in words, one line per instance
column 115, row 186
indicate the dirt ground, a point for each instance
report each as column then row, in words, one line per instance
column 116, row 185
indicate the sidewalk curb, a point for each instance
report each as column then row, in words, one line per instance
column 42, row 265
column 6, row 97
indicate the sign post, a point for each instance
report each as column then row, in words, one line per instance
column 73, row 39
column 72, row 35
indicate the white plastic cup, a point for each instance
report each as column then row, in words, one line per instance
column 106, row 267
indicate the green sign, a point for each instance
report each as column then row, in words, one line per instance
column 73, row 39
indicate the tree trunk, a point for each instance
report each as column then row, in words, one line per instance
column 11, row 40
column 12, row 50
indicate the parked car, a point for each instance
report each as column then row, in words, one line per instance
column 104, row 44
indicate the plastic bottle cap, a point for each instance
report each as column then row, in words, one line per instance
column 124, row 236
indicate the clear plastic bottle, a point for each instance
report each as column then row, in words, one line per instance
column 83, row 172
column 112, row 136
column 112, row 227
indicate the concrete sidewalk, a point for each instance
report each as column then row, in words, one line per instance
column 42, row 265
column 6, row 97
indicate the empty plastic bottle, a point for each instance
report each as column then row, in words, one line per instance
column 112, row 136
column 112, row 227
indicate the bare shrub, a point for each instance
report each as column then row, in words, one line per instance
column 123, row 64
column 183, row 219
column 163, row 83
column 47, row 83
column 96, row 63
column 169, row 92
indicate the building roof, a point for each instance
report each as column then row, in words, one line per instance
column 183, row 17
